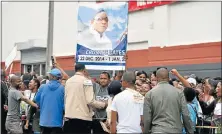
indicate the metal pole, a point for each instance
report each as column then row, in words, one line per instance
column 49, row 49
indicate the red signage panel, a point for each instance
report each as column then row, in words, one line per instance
column 139, row 4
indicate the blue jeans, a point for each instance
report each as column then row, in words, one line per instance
column 37, row 132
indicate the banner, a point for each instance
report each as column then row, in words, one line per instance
column 139, row 4
column 102, row 35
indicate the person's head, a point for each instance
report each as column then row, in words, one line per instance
column 142, row 75
column 162, row 74
column 55, row 74
column 145, row 88
column 218, row 89
column 100, row 22
column 81, row 68
column 34, row 84
column 153, row 76
column 192, row 82
column 189, row 94
column 104, row 79
column 138, row 84
column 128, row 80
column 209, row 84
column 15, row 81
column 114, row 88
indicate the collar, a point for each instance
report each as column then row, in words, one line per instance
column 94, row 32
column 162, row 82
column 79, row 73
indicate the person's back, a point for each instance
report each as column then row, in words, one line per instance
column 166, row 108
column 129, row 111
column 76, row 104
column 163, row 106
column 50, row 99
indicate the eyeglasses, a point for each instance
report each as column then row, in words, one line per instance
column 101, row 19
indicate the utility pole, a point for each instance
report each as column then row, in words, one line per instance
column 49, row 49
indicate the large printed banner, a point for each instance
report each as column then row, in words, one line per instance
column 102, row 35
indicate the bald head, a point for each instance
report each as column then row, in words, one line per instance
column 162, row 74
column 15, row 81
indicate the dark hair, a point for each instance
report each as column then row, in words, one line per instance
column 199, row 80
column 154, row 73
column 217, row 78
column 142, row 72
column 106, row 73
column 172, row 80
column 189, row 94
column 114, row 88
column 79, row 67
column 37, row 82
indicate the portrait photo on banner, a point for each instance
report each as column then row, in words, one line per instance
column 102, row 35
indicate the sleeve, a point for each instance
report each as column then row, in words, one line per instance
column 185, row 114
column 90, row 98
column 147, row 113
column 113, row 106
column 38, row 95
column 207, row 109
column 17, row 95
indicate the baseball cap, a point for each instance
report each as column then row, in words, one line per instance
column 56, row 72
column 192, row 81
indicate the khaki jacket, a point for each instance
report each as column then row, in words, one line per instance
column 80, row 98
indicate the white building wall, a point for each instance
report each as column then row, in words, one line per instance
column 181, row 23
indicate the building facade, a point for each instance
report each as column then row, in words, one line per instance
column 181, row 35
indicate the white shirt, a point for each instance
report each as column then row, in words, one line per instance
column 94, row 40
column 129, row 111
column 217, row 110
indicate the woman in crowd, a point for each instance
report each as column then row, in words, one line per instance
column 142, row 75
column 146, row 87
column 214, row 107
column 208, row 84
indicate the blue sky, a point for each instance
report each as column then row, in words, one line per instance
column 117, row 14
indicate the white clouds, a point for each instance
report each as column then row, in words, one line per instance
column 115, row 21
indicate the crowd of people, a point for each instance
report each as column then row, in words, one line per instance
column 129, row 102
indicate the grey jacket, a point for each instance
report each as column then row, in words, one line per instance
column 164, row 106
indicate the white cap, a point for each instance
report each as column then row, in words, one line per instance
column 192, row 81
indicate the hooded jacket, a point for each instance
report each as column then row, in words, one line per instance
column 50, row 99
